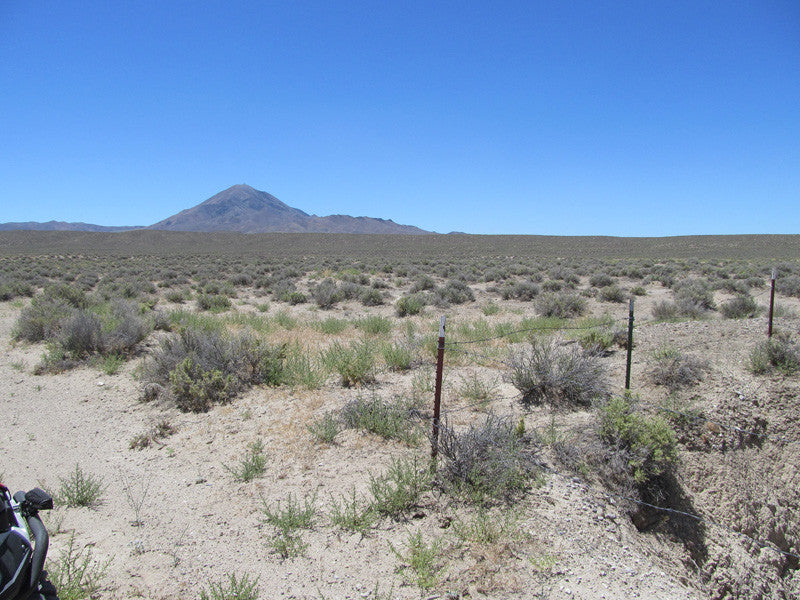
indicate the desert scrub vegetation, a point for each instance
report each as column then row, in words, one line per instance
column 289, row 519
column 491, row 461
column 76, row 573
column 355, row 363
column 409, row 305
column 563, row 306
column 693, row 297
column 198, row 368
column 325, row 428
column 77, row 328
column 252, row 465
column 154, row 434
column 80, row 489
column 400, row 489
column 232, row 588
column 423, row 560
column 674, row 369
column 561, row 374
column 396, row 420
column 740, row 307
column 647, row 444
column 780, row 352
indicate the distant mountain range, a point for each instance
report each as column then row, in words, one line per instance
column 242, row 209
column 61, row 226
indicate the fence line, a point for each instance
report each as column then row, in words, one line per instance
column 765, row 435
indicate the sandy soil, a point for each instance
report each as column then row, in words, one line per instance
column 576, row 541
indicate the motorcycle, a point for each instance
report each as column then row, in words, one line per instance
column 23, row 545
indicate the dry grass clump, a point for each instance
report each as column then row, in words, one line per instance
column 490, row 461
column 548, row 370
column 675, row 369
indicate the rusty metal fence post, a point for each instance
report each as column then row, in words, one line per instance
column 437, row 397
column 771, row 303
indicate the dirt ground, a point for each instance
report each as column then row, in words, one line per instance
column 575, row 540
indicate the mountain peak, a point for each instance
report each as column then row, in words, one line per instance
column 247, row 210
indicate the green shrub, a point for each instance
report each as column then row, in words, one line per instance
column 423, row 283
column 287, row 521
column 674, row 369
column 351, row 514
column 76, row 574
column 325, row 428
column 40, row 320
column 601, row 280
column 80, row 334
column 409, row 305
column 665, row 311
column 475, row 389
column 375, row 325
column 563, row 306
column 214, row 303
column 741, row 307
column 597, row 341
column 80, row 489
column 398, row 357
column 302, row 370
column 294, row 298
column 331, row 326
column 123, row 327
column 326, row 294
column 693, row 296
column 253, row 465
column 391, row 421
column 612, row 293
column 453, row 292
column 202, row 367
column 12, row 289
column 234, row 588
column 355, row 363
column 520, row 290
column 176, row 296
column 73, row 296
column 422, row 559
column 196, row 390
column 371, row 297
column 648, row 442
column 788, row 285
column 638, row 290
column 400, row 488
column 548, row 371
column 778, row 352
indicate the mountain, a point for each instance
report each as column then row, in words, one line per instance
column 63, row 226
column 246, row 210
column 242, row 209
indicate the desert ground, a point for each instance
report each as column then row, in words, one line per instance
column 284, row 487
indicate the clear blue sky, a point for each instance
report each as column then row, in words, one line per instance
column 574, row 118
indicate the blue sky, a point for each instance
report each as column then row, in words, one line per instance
column 567, row 118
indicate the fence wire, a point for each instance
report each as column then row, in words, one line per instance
column 705, row 520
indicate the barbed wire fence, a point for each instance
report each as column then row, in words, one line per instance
column 462, row 347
